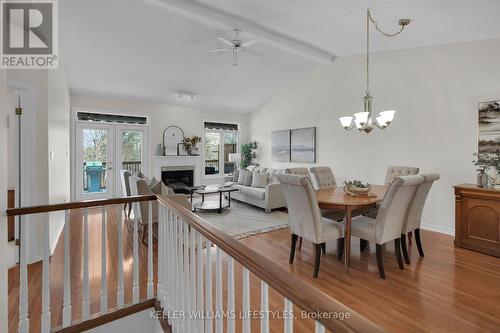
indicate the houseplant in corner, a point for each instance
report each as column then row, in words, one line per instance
column 248, row 154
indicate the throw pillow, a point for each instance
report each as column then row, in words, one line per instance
column 259, row 179
column 156, row 188
column 236, row 175
column 153, row 181
column 248, row 178
column 165, row 190
column 241, row 177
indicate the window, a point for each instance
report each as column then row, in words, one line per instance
column 220, row 141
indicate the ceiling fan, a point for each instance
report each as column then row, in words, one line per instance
column 236, row 45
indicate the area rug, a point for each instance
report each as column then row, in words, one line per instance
column 243, row 220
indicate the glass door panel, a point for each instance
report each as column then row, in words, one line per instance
column 212, row 153
column 230, row 147
column 94, row 156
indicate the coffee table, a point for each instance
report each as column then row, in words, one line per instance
column 210, row 204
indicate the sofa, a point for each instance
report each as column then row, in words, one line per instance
column 268, row 196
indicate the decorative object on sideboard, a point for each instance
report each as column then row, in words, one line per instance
column 280, row 146
column 189, row 144
column 356, row 187
column 303, row 145
column 248, row 154
column 488, row 166
column 365, row 121
column 482, row 162
column 172, row 135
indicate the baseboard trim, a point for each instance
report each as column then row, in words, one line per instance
column 442, row 230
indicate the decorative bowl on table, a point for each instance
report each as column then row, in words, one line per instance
column 356, row 187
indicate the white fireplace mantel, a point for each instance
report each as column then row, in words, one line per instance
column 168, row 161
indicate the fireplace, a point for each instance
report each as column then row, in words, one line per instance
column 178, row 178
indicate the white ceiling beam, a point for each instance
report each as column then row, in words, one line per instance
column 221, row 20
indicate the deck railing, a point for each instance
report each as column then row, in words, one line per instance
column 185, row 284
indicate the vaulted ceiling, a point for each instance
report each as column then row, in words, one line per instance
column 150, row 49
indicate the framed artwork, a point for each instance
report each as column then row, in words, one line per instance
column 303, row 145
column 489, row 143
column 280, row 146
column 489, row 117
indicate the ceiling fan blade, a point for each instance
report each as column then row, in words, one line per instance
column 250, row 43
column 225, row 41
column 219, row 50
column 254, row 53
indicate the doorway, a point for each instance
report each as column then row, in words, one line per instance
column 102, row 151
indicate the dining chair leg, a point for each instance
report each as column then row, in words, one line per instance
column 129, row 209
column 397, row 250
column 292, row 248
column 410, row 234
column 380, row 263
column 340, row 248
column 300, row 244
column 405, row 249
column 323, row 248
column 317, row 260
column 419, row 242
column 363, row 243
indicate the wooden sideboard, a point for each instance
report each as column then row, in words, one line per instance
column 477, row 218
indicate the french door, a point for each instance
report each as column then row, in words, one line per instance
column 102, row 150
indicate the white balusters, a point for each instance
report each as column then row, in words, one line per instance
column 192, row 279
column 120, row 291
column 264, row 307
column 67, row 286
column 135, row 273
column 218, row 291
column 104, row 280
column 161, row 258
column 199, row 289
column 24, row 323
column 230, row 295
column 185, row 277
column 246, row 300
column 150, row 287
column 86, row 283
column 288, row 316
column 208, row 289
column 319, row 328
column 46, row 277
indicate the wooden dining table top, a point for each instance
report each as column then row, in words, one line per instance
column 336, row 196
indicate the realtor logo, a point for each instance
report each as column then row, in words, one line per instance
column 29, row 34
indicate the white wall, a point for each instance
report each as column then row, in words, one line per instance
column 436, row 91
column 190, row 120
column 45, row 127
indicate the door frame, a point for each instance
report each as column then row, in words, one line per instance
column 74, row 121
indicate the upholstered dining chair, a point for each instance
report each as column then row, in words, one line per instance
column 398, row 171
column 298, row 172
column 324, row 177
column 125, row 181
column 414, row 216
column 389, row 221
column 305, row 217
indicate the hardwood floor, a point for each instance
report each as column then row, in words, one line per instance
column 450, row 290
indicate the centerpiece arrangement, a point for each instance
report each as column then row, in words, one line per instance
column 356, row 187
column 487, row 162
column 190, row 144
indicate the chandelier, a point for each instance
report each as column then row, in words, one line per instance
column 364, row 121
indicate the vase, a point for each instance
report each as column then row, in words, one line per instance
column 482, row 179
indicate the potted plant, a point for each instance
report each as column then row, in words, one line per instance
column 356, row 187
column 189, row 144
column 248, row 154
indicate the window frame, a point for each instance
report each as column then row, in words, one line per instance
column 222, row 151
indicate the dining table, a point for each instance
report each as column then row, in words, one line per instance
column 335, row 198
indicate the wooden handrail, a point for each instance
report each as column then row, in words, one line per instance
column 78, row 205
column 306, row 297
